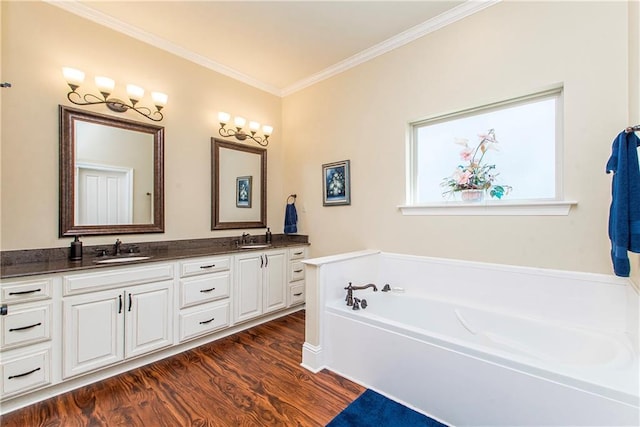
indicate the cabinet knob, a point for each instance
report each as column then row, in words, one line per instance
column 4, row 310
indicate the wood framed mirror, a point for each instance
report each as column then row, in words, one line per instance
column 238, row 186
column 111, row 175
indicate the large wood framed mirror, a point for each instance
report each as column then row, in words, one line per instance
column 111, row 175
column 238, row 186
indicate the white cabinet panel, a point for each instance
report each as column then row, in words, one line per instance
column 275, row 296
column 93, row 331
column 26, row 324
column 148, row 318
column 203, row 319
column 248, row 291
column 25, row 372
column 201, row 289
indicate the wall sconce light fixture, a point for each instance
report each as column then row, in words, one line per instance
column 105, row 85
column 239, row 123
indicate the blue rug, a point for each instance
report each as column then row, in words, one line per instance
column 373, row 409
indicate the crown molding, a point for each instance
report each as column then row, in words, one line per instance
column 449, row 17
column 98, row 17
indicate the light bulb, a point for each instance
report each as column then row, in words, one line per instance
column 135, row 92
column 159, row 99
column 239, row 122
column 73, row 77
column 223, row 117
column 105, row 85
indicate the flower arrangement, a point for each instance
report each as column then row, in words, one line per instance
column 475, row 175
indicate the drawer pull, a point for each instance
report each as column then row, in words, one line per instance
column 207, row 266
column 25, row 327
column 33, row 291
column 297, row 253
column 204, row 322
column 207, row 290
column 298, row 294
column 23, row 375
column 297, row 271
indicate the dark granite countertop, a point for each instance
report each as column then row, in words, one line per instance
column 33, row 262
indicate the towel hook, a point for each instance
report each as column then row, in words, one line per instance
column 292, row 196
column 632, row 129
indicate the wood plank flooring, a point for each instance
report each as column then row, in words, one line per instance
column 252, row 378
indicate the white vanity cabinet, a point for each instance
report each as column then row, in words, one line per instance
column 104, row 327
column 296, row 287
column 204, row 290
column 27, row 329
column 260, row 283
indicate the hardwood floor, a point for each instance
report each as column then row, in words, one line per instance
column 252, row 378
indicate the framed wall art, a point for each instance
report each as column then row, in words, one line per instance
column 336, row 186
column 243, row 191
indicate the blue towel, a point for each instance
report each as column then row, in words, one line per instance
column 624, row 214
column 290, row 219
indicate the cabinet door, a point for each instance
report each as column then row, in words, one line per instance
column 93, row 330
column 148, row 318
column 275, row 286
column 248, row 286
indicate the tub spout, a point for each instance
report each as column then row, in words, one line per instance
column 370, row 285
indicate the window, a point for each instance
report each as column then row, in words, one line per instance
column 526, row 155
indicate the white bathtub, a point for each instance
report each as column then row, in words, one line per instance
column 467, row 363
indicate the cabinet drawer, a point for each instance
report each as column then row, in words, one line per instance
column 117, row 278
column 32, row 290
column 296, row 253
column 26, row 325
column 25, row 372
column 296, row 294
column 204, row 288
column 203, row 320
column 204, row 266
column 296, row 271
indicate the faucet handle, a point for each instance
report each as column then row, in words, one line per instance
column 349, row 288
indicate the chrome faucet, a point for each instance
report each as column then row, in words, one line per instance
column 116, row 247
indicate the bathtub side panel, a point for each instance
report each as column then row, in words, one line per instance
column 456, row 388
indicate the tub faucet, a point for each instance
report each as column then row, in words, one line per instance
column 349, row 298
column 370, row 285
column 116, row 247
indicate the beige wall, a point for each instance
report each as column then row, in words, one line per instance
column 507, row 50
column 32, row 61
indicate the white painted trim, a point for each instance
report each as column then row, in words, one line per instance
column 339, row 257
column 449, row 17
column 493, row 208
column 312, row 358
column 98, row 17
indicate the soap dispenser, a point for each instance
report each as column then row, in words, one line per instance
column 268, row 235
column 75, row 253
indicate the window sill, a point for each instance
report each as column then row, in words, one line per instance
column 492, row 208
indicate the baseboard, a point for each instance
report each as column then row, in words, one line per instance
column 312, row 358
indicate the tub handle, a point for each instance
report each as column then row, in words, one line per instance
column 464, row 323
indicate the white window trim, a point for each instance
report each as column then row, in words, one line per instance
column 492, row 207
column 557, row 207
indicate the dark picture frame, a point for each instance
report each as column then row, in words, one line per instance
column 243, row 191
column 336, row 183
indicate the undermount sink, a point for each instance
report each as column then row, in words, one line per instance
column 255, row 246
column 121, row 259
